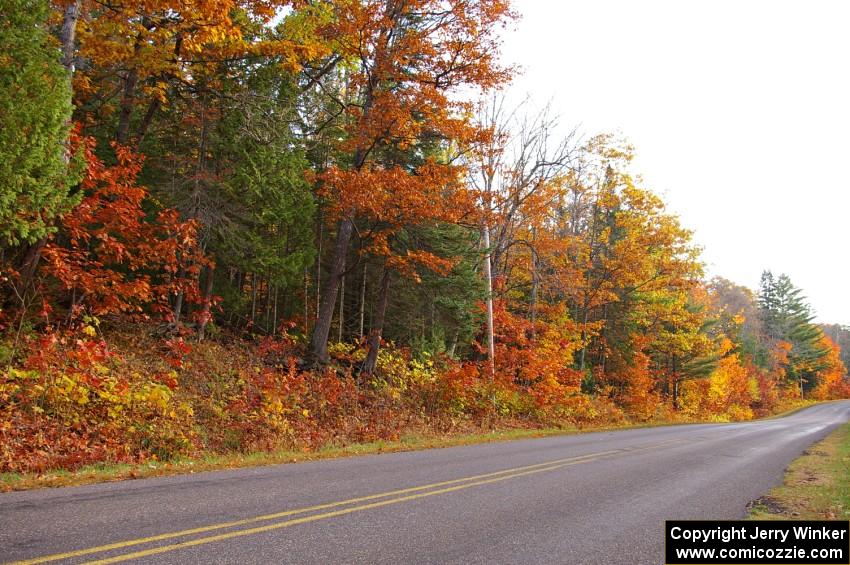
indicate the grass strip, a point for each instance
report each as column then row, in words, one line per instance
column 816, row 486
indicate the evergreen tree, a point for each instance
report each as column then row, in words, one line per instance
column 35, row 109
column 787, row 317
column 768, row 306
column 439, row 313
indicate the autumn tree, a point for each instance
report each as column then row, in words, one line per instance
column 736, row 311
column 140, row 57
column 832, row 381
column 404, row 60
column 628, row 271
column 517, row 172
column 840, row 336
column 109, row 255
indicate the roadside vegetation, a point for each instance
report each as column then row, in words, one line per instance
column 274, row 227
column 816, row 486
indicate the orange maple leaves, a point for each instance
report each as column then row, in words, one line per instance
column 113, row 255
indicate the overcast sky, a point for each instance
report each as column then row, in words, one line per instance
column 738, row 111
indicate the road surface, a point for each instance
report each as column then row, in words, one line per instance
column 582, row 499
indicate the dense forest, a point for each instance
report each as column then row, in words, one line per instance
column 256, row 224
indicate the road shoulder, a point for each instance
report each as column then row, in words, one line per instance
column 816, row 485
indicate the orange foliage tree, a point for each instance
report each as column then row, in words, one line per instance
column 405, row 60
column 111, row 255
column 832, row 379
column 149, row 52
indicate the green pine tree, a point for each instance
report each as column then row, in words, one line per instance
column 35, row 111
column 786, row 316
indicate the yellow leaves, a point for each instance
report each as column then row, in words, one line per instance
column 273, row 405
column 754, row 391
column 184, row 41
column 159, row 91
column 725, row 345
column 831, row 377
column 72, row 391
column 732, row 389
column 345, row 350
column 13, row 373
column 156, row 395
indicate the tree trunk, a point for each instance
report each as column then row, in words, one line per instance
column 583, row 336
column 153, row 107
column 371, row 361
column 676, row 394
column 274, row 317
column 205, row 312
column 68, row 36
column 433, row 317
column 341, row 304
column 675, row 371
column 178, row 300
column 253, row 297
column 453, row 346
column 488, row 275
column 127, row 101
column 178, row 306
column 30, row 263
column 156, row 104
column 602, row 333
column 363, row 300
column 534, row 283
column 268, row 302
column 306, row 302
column 319, row 341
column 321, row 238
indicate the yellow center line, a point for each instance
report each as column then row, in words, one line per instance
column 264, row 517
column 499, row 475
column 315, row 517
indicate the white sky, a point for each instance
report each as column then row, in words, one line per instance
column 738, row 111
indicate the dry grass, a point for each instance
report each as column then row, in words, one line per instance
column 817, row 484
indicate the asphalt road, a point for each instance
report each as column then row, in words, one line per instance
column 582, row 499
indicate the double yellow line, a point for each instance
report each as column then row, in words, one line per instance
column 351, row 504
